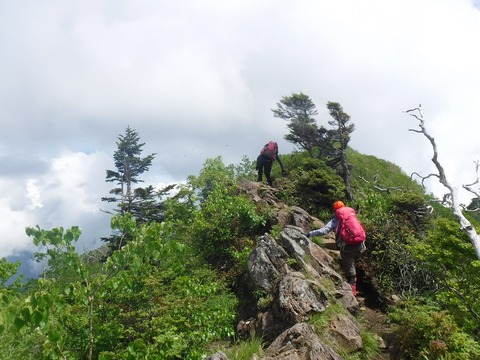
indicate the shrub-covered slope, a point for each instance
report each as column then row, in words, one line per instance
column 178, row 289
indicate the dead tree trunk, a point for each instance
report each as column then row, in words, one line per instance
column 465, row 225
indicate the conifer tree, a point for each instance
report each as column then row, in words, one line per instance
column 338, row 139
column 143, row 203
column 299, row 110
column 329, row 145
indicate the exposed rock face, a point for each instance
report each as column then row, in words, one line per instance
column 298, row 275
column 299, row 298
column 300, row 279
column 297, row 343
column 267, row 263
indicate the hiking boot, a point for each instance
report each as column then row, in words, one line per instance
column 354, row 290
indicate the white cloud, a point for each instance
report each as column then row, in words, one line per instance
column 33, row 195
column 67, row 194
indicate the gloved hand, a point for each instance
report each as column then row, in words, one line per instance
column 307, row 235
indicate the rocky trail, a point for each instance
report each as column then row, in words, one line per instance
column 301, row 277
column 373, row 317
column 376, row 322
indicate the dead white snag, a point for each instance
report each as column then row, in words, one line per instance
column 465, row 225
column 469, row 187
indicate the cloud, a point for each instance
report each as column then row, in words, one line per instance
column 33, row 195
column 67, row 194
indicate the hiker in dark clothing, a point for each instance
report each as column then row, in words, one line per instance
column 265, row 161
column 349, row 254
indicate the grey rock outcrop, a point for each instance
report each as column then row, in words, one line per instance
column 297, row 343
column 300, row 278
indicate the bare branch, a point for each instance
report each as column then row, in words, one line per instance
column 106, row 211
column 423, row 211
column 423, row 177
column 468, row 187
column 465, row 225
column 477, row 164
column 413, row 130
column 387, row 189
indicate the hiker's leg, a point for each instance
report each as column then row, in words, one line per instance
column 259, row 168
column 259, row 174
column 348, row 264
column 349, row 256
column 268, row 170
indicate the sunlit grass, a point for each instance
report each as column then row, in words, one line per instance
column 245, row 350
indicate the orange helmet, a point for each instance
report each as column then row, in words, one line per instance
column 337, row 205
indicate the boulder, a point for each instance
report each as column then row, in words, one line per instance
column 300, row 342
column 346, row 332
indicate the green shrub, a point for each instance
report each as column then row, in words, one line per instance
column 224, row 219
column 449, row 256
column 427, row 332
column 316, row 186
column 388, row 259
column 219, row 229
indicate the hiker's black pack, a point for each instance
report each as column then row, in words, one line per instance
column 270, row 150
column 349, row 229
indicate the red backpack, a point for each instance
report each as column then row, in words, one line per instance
column 349, row 228
column 270, row 150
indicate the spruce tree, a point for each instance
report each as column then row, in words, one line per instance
column 143, row 203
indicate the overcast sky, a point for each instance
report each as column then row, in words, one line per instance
column 198, row 79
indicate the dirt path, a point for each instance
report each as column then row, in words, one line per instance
column 375, row 321
column 373, row 317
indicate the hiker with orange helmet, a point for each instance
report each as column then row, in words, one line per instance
column 350, row 251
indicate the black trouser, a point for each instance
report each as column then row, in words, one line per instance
column 264, row 165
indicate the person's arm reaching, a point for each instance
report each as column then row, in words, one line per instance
column 329, row 226
column 280, row 162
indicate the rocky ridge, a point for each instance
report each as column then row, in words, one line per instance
column 301, row 283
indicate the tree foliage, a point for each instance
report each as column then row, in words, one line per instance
column 8, row 270
column 299, row 110
column 144, row 203
column 315, row 185
column 225, row 219
column 124, row 308
column 338, row 139
column 427, row 332
column 330, row 145
column 448, row 255
column 129, row 167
